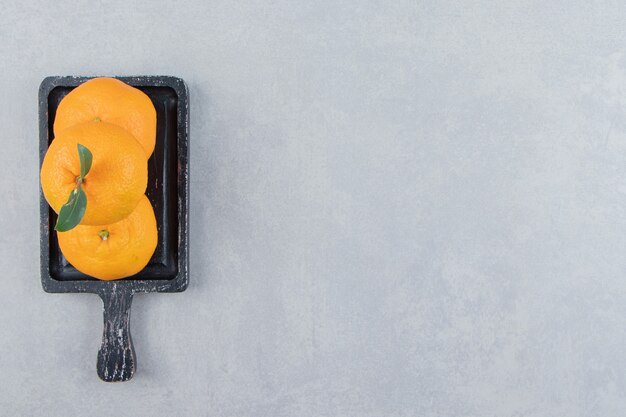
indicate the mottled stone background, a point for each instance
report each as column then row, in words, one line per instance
column 399, row 208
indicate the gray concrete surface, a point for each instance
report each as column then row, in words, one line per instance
column 399, row 208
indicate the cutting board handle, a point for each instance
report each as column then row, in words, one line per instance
column 116, row 357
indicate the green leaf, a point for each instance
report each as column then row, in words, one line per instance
column 85, row 157
column 73, row 211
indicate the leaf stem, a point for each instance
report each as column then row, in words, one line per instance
column 72, row 212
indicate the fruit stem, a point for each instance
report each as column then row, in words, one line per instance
column 104, row 234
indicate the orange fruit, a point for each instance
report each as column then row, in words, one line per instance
column 117, row 179
column 116, row 250
column 112, row 101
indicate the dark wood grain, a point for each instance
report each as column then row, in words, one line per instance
column 116, row 357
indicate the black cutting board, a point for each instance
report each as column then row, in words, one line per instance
column 168, row 191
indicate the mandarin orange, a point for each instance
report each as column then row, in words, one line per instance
column 116, row 250
column 117, row 179
column 113, row 101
